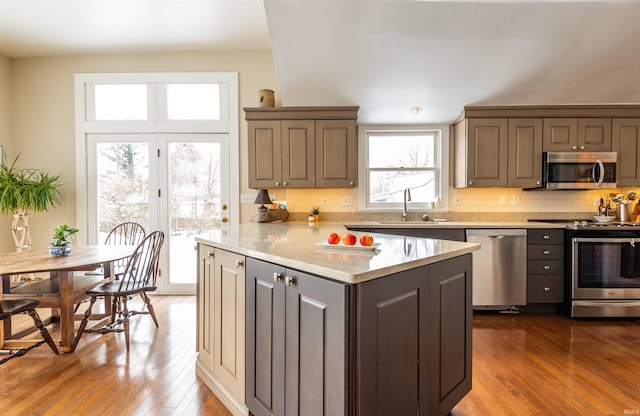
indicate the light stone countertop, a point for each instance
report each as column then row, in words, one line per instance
column 294, row 245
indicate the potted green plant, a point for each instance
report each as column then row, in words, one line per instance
column 23, row 191
column 62, row 239
column 315, row 211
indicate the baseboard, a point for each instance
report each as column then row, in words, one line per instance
column 236, row 407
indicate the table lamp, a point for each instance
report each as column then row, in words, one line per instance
column 263, row 198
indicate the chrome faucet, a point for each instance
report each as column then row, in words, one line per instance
column 407, row 197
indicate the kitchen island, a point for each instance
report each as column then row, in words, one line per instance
column 286, row 325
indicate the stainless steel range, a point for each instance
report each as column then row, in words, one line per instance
column 603, row 262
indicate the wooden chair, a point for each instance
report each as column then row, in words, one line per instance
column 8, row 308
column 139, row 277
column 126, row 233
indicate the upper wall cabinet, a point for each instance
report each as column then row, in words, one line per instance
column 577, row 134
column 302, row 147
column 503, row 146
column 498, row 152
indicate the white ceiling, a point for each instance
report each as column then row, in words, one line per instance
column 385, row 56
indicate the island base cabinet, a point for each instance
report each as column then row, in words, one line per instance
column 221, row 325
column 414, row 340
column 296, row 342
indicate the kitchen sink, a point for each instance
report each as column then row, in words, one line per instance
column 400, row 222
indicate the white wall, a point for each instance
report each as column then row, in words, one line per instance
column 5, row 139
column 42, row 113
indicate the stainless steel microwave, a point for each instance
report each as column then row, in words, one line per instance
column 579, row 170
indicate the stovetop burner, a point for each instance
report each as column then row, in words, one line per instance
column 580, row 224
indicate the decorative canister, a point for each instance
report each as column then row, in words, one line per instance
column 267, row 98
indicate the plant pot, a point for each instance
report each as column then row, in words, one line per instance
column 59, row 251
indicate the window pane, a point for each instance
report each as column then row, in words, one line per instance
column 401, row 150
column 123, row 185
column 388, row 186
column 193, row 102
column 194, row 203
column 121, row 102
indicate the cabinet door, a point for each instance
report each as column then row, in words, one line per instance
column 450, row 332
column 560, row 135
column 316, row 346
column 336, row 153
column 298, row 153
column 390, row 309
column 205, row 316
column 525, row 152
column 265, row 154
column 626, row 141
column 229, row 321
column 487, row 152
column 265, row 331
column 594, row 134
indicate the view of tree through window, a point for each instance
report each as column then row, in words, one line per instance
column 122, row 185
column 401, row 160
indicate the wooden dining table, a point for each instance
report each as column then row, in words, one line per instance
column 65, row 286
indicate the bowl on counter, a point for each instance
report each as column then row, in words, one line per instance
column 603, row 218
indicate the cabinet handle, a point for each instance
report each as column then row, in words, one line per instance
column 277, row 183
column 239, row 263
column 546, row 267
column 276, row 276
column 284, row 183
column 209, row 253
column 546, row 252
column 224, row 207
column 547, row 289
column 545, row 237
column 581, row 147
column 350, row 183
column 224, row 219
column 574, row 147
column 470, row 182
column 537, row 182
column 289, row 281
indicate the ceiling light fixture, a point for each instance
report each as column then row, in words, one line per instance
column 416, row 110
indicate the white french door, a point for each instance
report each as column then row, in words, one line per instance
column 176, row 183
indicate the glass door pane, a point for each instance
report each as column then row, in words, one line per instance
column 122, row 176
column 194, row 202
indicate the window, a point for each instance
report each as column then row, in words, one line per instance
column 160, row 149
column 395, row 158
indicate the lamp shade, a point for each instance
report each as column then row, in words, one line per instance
column 262, row 197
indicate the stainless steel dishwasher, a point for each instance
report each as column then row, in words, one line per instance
column 499, row 268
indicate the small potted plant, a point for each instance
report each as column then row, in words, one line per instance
column 315, row 212
column 62, row 238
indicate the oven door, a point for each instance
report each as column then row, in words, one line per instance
column 605, row 268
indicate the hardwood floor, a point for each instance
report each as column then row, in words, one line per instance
column 553, row 365
column 157, row 377
column 523, row 365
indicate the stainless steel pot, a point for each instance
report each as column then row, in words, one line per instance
column 624, row 212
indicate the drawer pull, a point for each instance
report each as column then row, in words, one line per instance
column 276, row 276
column 546, row 267
column 546, row 237
column 546, row 252
column 547, row 289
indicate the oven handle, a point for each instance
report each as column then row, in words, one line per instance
column 600, row 165
column 630, row 240
column 616, row 302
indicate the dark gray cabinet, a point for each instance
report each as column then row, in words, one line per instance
column 429, row 310
column 545, row 266
column 296, row 342
column 399, row 344
column 454, row 234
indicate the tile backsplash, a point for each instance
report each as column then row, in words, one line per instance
column 465, row 200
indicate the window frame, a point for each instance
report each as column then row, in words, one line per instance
column 441, row 168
